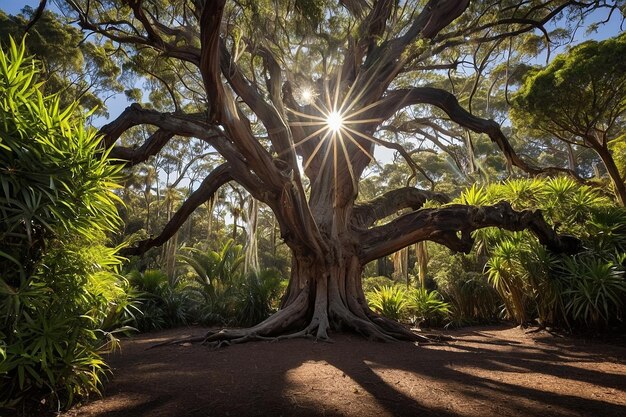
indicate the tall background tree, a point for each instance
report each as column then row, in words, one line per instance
column 296, row 95
column 580, row 100
column 73, row 67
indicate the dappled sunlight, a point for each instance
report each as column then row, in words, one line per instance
column 496, row 371
column 321, row 396
column 117, row 404
column 561, row 382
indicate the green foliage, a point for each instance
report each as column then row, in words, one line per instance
column 588, row 289
column 257, row 296
column 74, row 67
column 461, row 282
column 161, row 305
column 417, row 305
column 577, row 90
column 221, row 293
column 580, row 98
column 427, row 307
column 61, row 300
column 390, row 301
column 211, row 284
column 595, row 289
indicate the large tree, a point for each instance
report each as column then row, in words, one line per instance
column 293, row 94
column 580, row 98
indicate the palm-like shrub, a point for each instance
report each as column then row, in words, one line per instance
column 60, row 296
column 211, row 283
column 390, row 301
column 427, row 307
column 256, row 294
column 161, row 305
column 595, row 289
column 222, row 293
column 536, row 284
column 461, row 281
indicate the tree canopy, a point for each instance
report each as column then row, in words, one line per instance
column 580, row 98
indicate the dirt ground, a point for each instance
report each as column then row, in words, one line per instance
column 485, row 371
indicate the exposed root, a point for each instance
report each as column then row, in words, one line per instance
column 329, row 312
column 402, row 333
column 191, row 339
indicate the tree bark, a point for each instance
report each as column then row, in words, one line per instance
column 614, row 174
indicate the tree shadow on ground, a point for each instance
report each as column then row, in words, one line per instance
column 480, row 373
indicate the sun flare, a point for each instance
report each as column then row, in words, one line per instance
column 334, row 121
column 332, row 126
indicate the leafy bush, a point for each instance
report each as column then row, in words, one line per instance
column 427, row 307
column 161, row 305
column 60, row 296
column 221, row 293
column 257, row 294
column 418, row 305
column 461, row 282
column 390, row 301
column 595, row 289
column 588, row 289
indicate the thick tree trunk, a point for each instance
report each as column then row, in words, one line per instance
column 614, row 174
column 325, row 292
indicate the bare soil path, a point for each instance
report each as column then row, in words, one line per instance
column 485, row 371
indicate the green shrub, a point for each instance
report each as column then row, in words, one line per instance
column 61, row 299
column 221, row 293
column 461, row 282
column 390, row 301
column 257, row 294
column 427, row 307
column 160, row 304
column 534, row 284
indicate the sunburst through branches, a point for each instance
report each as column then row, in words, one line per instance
column 335, row 127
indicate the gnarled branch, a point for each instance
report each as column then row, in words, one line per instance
column 365, row 214
column 447, row 102
column 152, row 146
column 452, row 226
column 218, row 177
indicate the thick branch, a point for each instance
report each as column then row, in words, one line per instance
column 210, row 21
column 134, row 115
column 36, row 16
column 452, row 226
column 365, row 214
column 447, row 102
column 218, row 177
column 191, row 126
column 269, row 115
column 152, row 146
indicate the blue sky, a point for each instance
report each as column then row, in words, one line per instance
column 13, row 6
column 117, row 104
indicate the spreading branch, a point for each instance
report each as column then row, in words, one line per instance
column 448, row 102
column 218, row 177
column 152, row 146
column 452, row 226
column 366, row 214
column 37, row 15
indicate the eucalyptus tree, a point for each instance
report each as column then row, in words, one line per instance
column 73, row 67
column 580, row 99
column 292, row 94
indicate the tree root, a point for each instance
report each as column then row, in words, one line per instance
column 328, row 314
